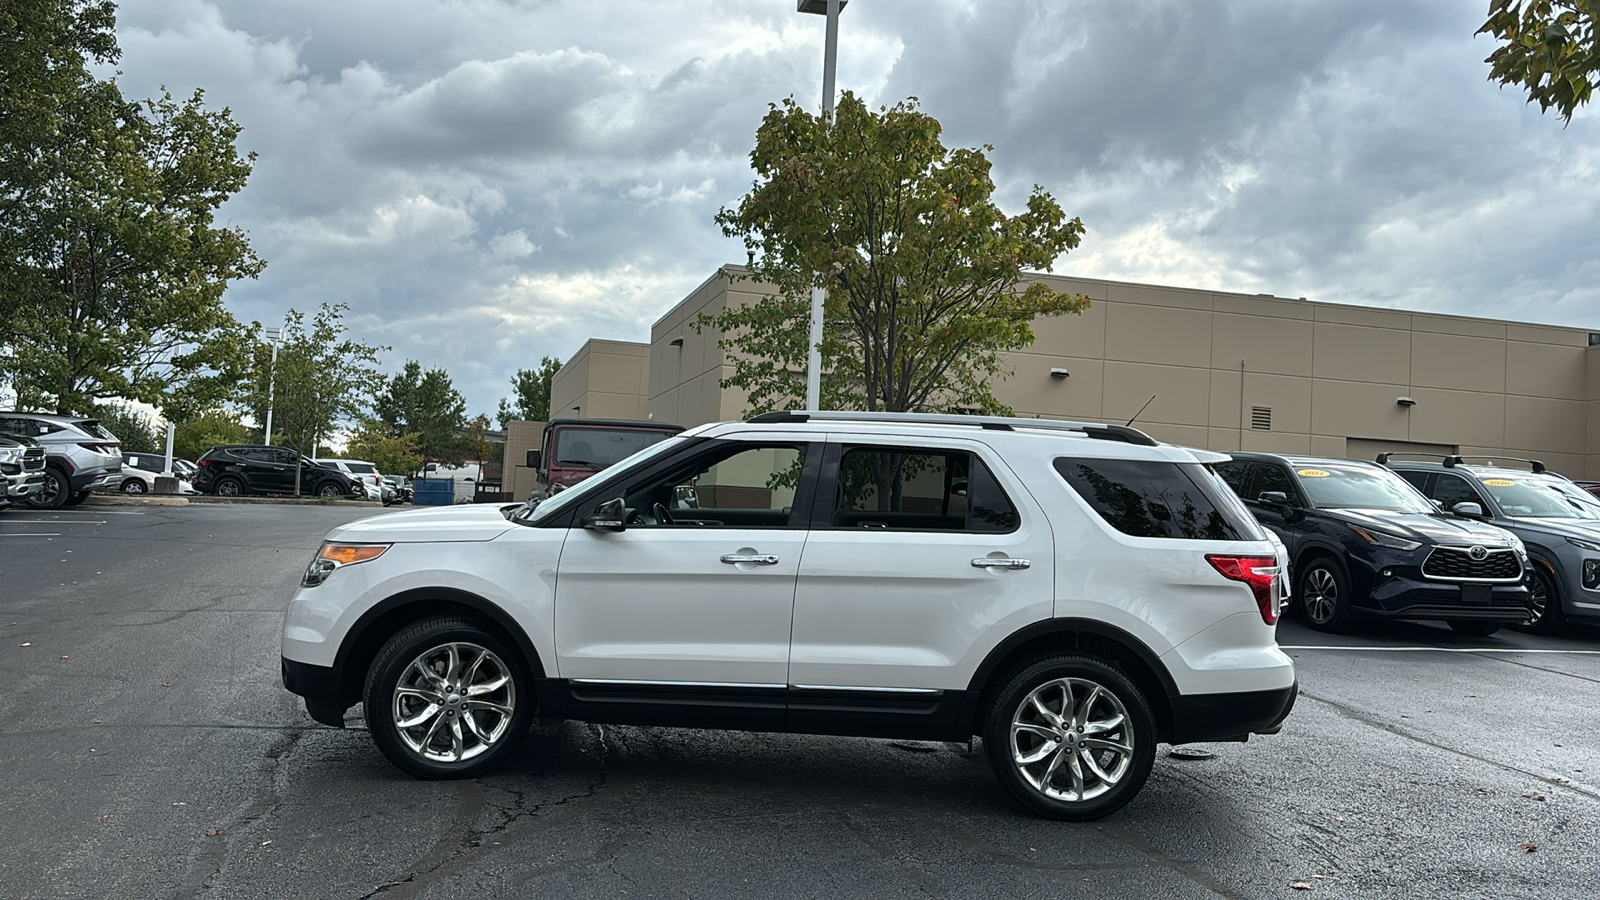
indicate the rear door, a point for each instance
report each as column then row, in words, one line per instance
column 921, row 555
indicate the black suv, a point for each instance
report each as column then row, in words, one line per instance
column 1364, row 542
column 238, row 469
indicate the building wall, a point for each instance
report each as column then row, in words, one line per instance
column 603, row 380
column 520, row 438
column 1237, row 371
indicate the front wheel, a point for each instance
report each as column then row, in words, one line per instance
column 328, row 490
column 1544, row 605
column 1473, row 627
column 446, row 699
column 1325, row 595
column 53, row 493
column 1071, row 737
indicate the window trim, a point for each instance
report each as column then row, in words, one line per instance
column 827, row 487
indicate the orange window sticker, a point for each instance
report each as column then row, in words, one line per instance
column 1312, row 473
column 1499, row 482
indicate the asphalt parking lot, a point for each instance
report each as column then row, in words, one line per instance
column 149, row 751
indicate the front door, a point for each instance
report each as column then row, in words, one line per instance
column 695, row 595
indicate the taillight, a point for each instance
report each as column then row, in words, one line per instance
column 100, row 448
column 1260, row 573
column 205, row 462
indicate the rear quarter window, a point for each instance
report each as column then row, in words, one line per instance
column 1156, row 499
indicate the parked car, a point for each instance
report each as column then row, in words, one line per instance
column 21, row 469
column 402, row 487
column 237, row 469
column 80, row 455
column 1075, row 593
column 361, row 472
column 574, row 449
column 140, row 470
column 1364, row 542
column 1561, row 531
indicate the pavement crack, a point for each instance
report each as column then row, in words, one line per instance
column 1181, row 867
column 211, row 858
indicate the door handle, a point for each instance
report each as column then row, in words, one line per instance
column 1000, row 562
column 760, row 559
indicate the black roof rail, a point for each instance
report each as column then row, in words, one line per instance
column 1535, row 465
column 1098, row 430
column 1449, row 461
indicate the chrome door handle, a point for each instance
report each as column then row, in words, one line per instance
column 759, row 559
column 1000, row 562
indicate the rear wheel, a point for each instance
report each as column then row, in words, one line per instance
column 133, row 486
column 1473, row 627
column 75, row 499
column 1544, row 602
column 228, row 486
column 446, row 699
column 54, row 492
column 1071, row 737
column 1325, row 595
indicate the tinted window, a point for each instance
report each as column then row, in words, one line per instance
column 1415, row 479
column 363, row 468
column 1452, row 489
column 1148, row 498
column 251, row 454
column 992, row 511
column 908, row 489
column 1237, row 476
column 1274, row 478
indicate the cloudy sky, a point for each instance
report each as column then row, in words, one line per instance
column 489, row 181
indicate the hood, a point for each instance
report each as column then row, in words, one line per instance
column 16, row 440
column 1421, row 526
column 1583, row 529
column 465, row 522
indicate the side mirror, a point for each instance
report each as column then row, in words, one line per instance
column 1273, row 498
column 533, row 459
column 1469, row 509
column 611, row 516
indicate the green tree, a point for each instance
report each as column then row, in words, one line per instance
column 1547, row 47
column 111, row 272
column 400, row 455
column 213, row 427
column 530, row 394
column 134, row 430
column 323, row 381
column 426, row 404
column 923, row 271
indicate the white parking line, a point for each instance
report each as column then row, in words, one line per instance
column 57, row 521
column 40, row 534
column 1434, row 649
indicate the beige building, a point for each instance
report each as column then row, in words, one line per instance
column 1227, row 371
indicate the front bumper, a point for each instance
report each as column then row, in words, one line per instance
column 1389, row 584
column 322, row 688
column 1230, row 717
column 24, row 485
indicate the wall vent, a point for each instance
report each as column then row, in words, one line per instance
column 1260, row 418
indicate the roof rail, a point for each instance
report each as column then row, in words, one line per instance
column 1449, row 461
column 1123, row 433
column 1535, row 465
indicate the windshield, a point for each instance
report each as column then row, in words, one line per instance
column 540, row 510
column 1359, row 487
column 1523, row 495
column 600, row 447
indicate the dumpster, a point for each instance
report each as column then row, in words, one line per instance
column 433, row 492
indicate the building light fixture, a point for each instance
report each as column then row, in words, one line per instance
column 1405, row 401
column 1060, row 373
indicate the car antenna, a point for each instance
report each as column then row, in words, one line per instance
column 1142, row 408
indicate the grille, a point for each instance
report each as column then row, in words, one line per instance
column 33, row 458
column 1454, row 564
column 1260, row 418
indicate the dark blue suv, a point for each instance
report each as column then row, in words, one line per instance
column 1364, row 542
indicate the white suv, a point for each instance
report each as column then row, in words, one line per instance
column 1073, row 593
column 361, row 472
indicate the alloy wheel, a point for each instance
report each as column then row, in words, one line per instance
column 1538, row 601
column 454, row 702
column 1321, row 595
column 1071, row 739
column 227, row 487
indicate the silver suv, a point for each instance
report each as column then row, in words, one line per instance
column 80, row 455
column 21, row 468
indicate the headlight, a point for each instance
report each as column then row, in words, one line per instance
column 1592, row 546
column 11, row 454
column 1384, row 539
column 333, row 557
column 1519, row 546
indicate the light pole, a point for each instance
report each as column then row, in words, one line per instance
column 830, row 60
column 273, row 336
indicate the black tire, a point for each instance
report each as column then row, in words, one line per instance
column 1324, row 591
column 228, row 486
column 75, row 499
column 133, row 486
column 1545, row 598
column 330, row 490
column 1060, row 765
column 1473, row 627
column 424, row 644
column 54, row 492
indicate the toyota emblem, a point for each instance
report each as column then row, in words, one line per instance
column 1479, row 553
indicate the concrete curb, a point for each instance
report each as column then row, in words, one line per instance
column 287, row 501
column 133, row 500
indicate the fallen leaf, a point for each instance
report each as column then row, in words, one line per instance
column 166, row 684
column 1340, row 818
column 27, row 643
column 1532, row 795
column 1530, row 847
column 66, row 657
column 1300, row 885
column 1485, row 791
column 180, row 803
column 211, row 833
column 1319, row 876
column 1404, row 716
column 264, row 843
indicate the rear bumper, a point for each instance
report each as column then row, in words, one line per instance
column 1230, row 717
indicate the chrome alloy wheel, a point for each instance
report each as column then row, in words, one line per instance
column 1538, row 601
column 453, row 702
column 1321, row 595
column 1071, row 739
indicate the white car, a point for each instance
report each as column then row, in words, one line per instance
column 139, row 472
column 1073, row 593
column 361, row 472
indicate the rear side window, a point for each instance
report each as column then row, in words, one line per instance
column 1145, row 498
column 363, row 468
column 908, row 489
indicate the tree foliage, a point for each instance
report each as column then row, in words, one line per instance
column 425, row 404
column 191, row 439
column 393, row 455
column 323, row 380
column 530, row 394
column 923, row 271
column 134, row 430
column 111, row 270
column 1547, row 47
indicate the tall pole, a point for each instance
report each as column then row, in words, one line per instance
column 819, row 294
column 274, row 335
